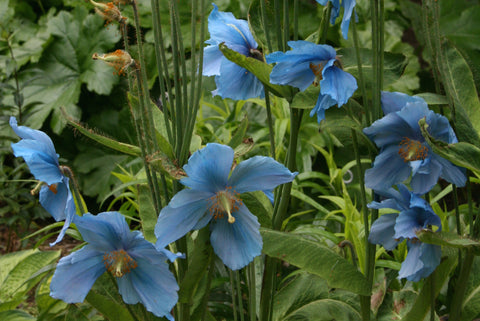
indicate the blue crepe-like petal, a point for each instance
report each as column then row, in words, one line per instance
column 55, row 202
column 323, row 103
column 175, row 222
column 388, row 169
column 421, row 261
column 237, row 83
column 69, row 218
column 348, row 6
column 75, row 274
column 425, row 177
column 388, row 130
column 338, row 84
column 208, row 168
column 382, row 231
column 212, row 59
column 394, row 101
column 451, row 173
column 239, row 243
column 259, row 173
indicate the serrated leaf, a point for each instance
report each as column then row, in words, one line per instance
column 260, row 69
column 316, row 259
column 461, row 154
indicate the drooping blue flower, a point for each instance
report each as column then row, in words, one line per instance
column 348, row 6
column 139, row 268
column 232, row 80
column 38, row 151
column 390, row 229
column 213, row 196
column 309, row 63
column 403, row 150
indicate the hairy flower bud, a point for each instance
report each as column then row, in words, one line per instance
column 119, row 59
column 108, row 11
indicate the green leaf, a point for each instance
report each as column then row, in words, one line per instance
column 199, row 262
column 15, row 315
column 447, row 239
column 306, row 99
column 421, row 307
column 109, row 308
column 66, row 64
column 471, row 302
column 325, row 310
column 463, row 30
column 433, row 99
column 303, row 289
column 147, row 212
column 105, row 141
column 460, row 87
column 260, row 69
column 316, row 259
column 260, row 206
column 239, row 134
column 461, row 154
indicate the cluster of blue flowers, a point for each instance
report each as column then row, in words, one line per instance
column 405, row 155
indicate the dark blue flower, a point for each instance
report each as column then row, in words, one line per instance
column 309, row 63
column 348, row 6
column 390, row 229
column 232, row 80
column 403, row 150
column 38, row 151
column 214, row 196
column 139, row 268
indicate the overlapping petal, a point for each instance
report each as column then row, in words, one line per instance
column 348, row 6
column 421, row 261
column 383, row 230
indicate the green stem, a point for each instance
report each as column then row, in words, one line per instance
column 232, row 286
column 207, row 291
column 361, row 79
column 252, row 285
column 270, row 122
column 76, row 190
column 461, row 287
column 286, row 24
column 239, row 295
column 264, row 24
column 432, row 297
column 323, row 28
column 278, row 25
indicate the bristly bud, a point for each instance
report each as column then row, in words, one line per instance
column 108, row 11
column 119, row 59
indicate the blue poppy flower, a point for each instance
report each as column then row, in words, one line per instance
column 232, row 80
column 348, row 6
column 38, row 151
column 403, row 150
column 214, row 196
column 390, row 229
column 139, row 268
column 309, row 63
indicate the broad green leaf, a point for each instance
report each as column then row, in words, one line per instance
column 461, row 154
column 239, row 135
column 147, row 212
column 460, row 87
column 199, row 262
column 16, row 315
column 260, row 69
column 10, row 260
column 306, row 99
column 316, row 259
column 105, row 141
column 109, row 308
column 303, row 289
column 66, row 64
column 260, row 206
column 447, row 239
column 324, row 310
column 471, row 301
column 421, row 307
column 463, row 30
column 433, row 99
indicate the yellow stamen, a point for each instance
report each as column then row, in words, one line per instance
column 119, row 263
column 225, row 202
column 412, row 150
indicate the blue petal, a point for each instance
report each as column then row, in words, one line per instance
column 44, row 142
column 212, row 58
column 411, row 114
column 338, row 84
column 382, row 231
column 237, row 244
column 424, row 178
column 69, row 218
column 395, row 101
column 259, row 173
column 348, row 6
column 397, row 200
column 439, row 127
column 176, row 219
column 154, row 286
column 323, row 103
column 55, row 202
column 421, row 261
column 76, row 274
column 294, row 73
column 208, row 168
column 237, row 83
column 107, row 231
column 415, row 219
column 224, row 27
column 391, row 129
column 388, row 169
column 451, row 173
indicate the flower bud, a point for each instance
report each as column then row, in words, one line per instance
column 108, row 11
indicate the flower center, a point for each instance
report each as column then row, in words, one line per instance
column 412, row 150
column 53, row 188
column 317, row 71
column 225, row 202
column 119, row 263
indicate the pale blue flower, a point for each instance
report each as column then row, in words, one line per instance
column 308, row 63
column 414, row 215
column 348, row 6
column 38, row 151
column 232, row 80
column 139, row 268
column 404, row 151
column 213, row 197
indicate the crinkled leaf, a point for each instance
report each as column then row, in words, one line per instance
column 316, row 259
